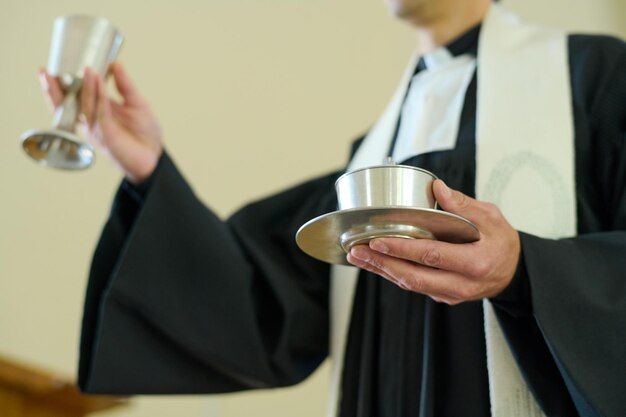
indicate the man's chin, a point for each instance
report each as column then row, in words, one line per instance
column 404, row 12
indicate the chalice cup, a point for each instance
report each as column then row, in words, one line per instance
column 77, row 42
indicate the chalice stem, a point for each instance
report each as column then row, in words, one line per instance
column 65, row 115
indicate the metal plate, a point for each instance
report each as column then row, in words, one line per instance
column 330, row 236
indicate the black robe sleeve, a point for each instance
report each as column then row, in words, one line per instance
column 179, row 301
column 578, row 285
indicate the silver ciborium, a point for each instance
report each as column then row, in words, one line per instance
column 77, row 42
column 382, row 201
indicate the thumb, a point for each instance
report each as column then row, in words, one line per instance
column 124, row 84
column 454, row 201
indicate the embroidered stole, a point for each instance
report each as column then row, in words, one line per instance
column 525, row 165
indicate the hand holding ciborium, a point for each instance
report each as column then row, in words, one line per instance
column 77, row 42
column 382, row 201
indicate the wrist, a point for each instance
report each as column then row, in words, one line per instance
column 145, row 167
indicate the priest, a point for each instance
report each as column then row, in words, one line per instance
column 525, row 126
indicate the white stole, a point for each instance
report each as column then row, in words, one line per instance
column 525, row 165
column 525, row 162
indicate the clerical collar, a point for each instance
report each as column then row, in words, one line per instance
column 466, row 44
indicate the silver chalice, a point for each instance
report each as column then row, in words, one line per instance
column 77, row 42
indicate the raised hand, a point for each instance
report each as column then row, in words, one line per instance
column 448, row 272
column 127, row 131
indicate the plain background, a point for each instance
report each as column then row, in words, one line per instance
column 252, row 95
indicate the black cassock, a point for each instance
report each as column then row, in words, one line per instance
column 179, row 301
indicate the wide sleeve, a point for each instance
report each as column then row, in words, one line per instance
column 577, row 326
column 179, row 301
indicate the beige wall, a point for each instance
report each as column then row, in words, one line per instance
column 253, row 96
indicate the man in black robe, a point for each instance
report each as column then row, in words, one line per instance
column 179, row 301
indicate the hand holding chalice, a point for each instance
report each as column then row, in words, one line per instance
column 78, row 42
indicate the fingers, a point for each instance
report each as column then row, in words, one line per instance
column 124, row 84
column 54, row 95
column 94, row 99
column 434, row 254
column 95, row 106
column 89, row 97
column 437, row 283
column 103, row 114
column 51, row 89
column 103, row 101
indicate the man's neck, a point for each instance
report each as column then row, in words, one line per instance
column 442, row 28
